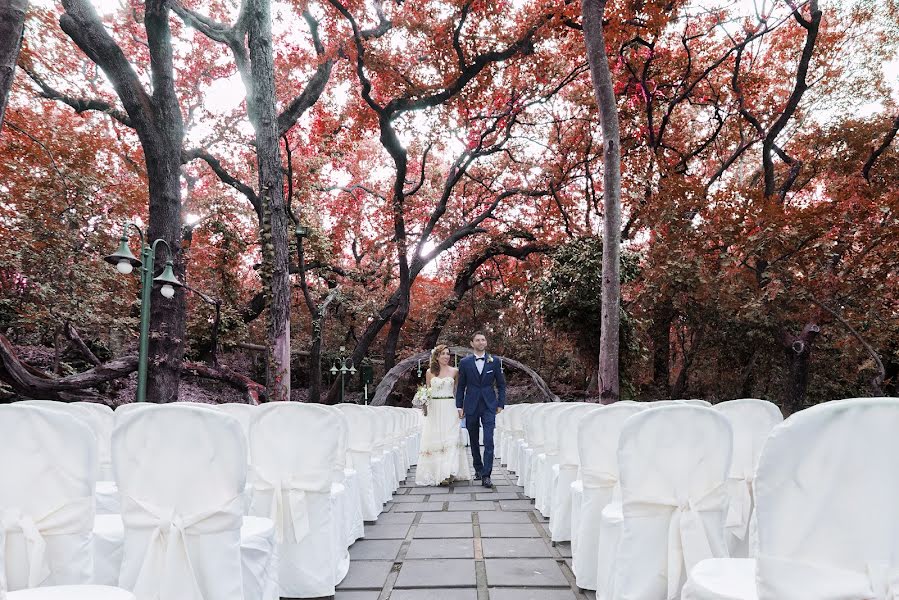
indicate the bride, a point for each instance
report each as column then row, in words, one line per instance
column 442, row 455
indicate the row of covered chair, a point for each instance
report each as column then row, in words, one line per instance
column 729, row 502
column 228, row 501
column 568, row 458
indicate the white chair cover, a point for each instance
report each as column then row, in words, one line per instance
column 534, row 428
column 826, row 493
column 181, row 472
column 597, row 442
column 752, row 421
column 99, row 418
column 673, row 462
column 515, row 435
column 567, row 469
column 258, row 557
column 548, row 459
column 71, row 592
column 49, row 464
column 292, row 479
column 521, row 445
column 359, row 450
column 349, row 504
column 242, row 412
column 381, row 461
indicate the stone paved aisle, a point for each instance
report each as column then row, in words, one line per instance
column 463, row 542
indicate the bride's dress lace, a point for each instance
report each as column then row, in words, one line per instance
column 442, row 453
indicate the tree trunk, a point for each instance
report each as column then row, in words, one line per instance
column 161, row 140
column 611, row 261
column 397, row 320
column 264, row 117
column 12, row 26
column 168, row 322
column 660, row 333
column 798, row 350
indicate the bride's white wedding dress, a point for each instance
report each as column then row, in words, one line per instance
column 442, row 454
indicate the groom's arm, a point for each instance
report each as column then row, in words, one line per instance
column 460, row 387
column 501, row 385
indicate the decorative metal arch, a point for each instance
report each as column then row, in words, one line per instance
column 396, row 373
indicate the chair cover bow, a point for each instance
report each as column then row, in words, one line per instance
column 739, row 507
column 71, row 517
column 166, row 572
column 289, row 507
column 786, row 578
column 688, row 540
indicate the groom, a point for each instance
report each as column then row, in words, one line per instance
column 477, row 401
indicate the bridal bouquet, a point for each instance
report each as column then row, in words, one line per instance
column 422, row 398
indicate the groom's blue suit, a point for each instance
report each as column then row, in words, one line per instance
column 480, row 394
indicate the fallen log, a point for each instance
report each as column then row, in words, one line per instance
column 32, row 383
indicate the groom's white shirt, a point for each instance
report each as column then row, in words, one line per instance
column 480, row 363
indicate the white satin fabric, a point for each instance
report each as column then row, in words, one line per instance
column 548, row 459
column 360, row 441
column 826, row 493
column 292, row 485
column 597, row 442
column 752, row 421
column 673, row 462
column 567, row 470
column 49, row 461
column 181, row 473
column 258, row 555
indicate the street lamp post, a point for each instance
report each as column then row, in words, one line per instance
column 125, row 262
column 343, row 369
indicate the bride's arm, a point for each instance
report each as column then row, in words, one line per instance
column 428, row 375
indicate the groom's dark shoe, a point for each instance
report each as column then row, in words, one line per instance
column 477, row 476
column 487, row 482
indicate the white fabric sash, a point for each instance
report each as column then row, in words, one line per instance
column 74, row 516
column 739, row 506
column 595, row 478
column 295, row 510
column 688, row 540
column 166, row 572
column 786, row 578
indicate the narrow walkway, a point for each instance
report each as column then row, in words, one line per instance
column 463, row 542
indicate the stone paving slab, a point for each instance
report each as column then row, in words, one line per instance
column 503, row 517
column 441, row 548
column 516, row 548
column 387, row 532
column 444, row 530
column 435, row 594
column 529, row 572
column 375, row 549
column 509, row 530
column 393, row 519
column 460, row 542
column 529, row 594
column 516, row 505
column 418, row 507
column 471, row 506
column 445, row 517
column 439, row 573
column 497, row 496
column 366, row 574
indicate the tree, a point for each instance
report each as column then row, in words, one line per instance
column 12, row 24
column 593, row 11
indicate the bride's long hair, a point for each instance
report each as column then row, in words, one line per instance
column 435, row 358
